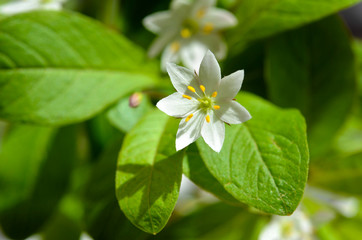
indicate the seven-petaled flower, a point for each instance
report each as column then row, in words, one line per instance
column 20, row 6
column 204, row 102
column 188, row 30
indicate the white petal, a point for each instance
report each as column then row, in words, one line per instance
column 157, row 21
column 18, row 7
column 189, row 131
column 202, row 5
column 177, row 106
column 213, row 132
column 271, row 231
column 214, row 42
column 230, row 86
column 209, row 73
column 219, row 18
column 232, row 112
column 192, row 54
column 175, row 4
column 52, row 6
column 161, row 42
column 169, row 56
column 181, row 78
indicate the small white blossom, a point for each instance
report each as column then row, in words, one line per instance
column 19, row 6
column 188, row 30
column 204, row 102
column 294, row 227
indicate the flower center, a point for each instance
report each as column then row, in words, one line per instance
column 189, row 27
column 205, row 103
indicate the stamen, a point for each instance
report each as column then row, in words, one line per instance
column 216, row 107
column 200, row 13
column 185, row 33
column 202, row 87
column 208, row 28
column 189, row 117
column 186, row 96
column 208, row 118
column 214, row 94
column 175, row 46
column 191, row 89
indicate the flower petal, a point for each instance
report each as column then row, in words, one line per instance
column 189, row 131
column 210, row 74
column 159, row 43
column 169, row 56
column 177, row 106
column 232, row 112
column 192, row 54
column 201, row 5
column 230, row 86
column 18, row 7
column 219, row 18
column 213, row 132
column 157, row 21
column 181, row 78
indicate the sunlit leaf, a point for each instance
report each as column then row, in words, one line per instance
column 264, row 161
column 59, row 67
column 149, row 172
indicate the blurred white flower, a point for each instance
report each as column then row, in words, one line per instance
column 204, row 102
column 346, row 206
column 294, row 227
column 188, row 30
column 19, row 6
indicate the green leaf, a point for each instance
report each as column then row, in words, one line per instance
column 194, row 168
column 264, row 161
column 59, row 67
column 34, row 178
column 313, row 69
column 149, row 172
column 124, row 117
column 339, row 174
column 263, row 18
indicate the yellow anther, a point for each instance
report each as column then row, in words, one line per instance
column 202, row 88
column 186, row 96
column 216, row 107
column 191, row 89
column 189, row 117
column 175, row 46
column 200, row 13
column 208, row 28
column 208, row 118
column 185, row 33
column 214, row 94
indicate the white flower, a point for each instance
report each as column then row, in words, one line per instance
column 294, row 227
column 188, row 30
column 204, row 102
column 20, row 6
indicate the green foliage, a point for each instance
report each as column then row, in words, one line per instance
column 33, row 180
column 313, row 70
column 264, row 162
column 125, row 122
column 338, row 174
column 260, row 19
column 149, row 172
column 84, row 69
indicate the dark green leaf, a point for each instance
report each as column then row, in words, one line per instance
column 262, row 18
column 84, row 69
column 39, row 171
column 264, row 162
column 313, row 69
column 149, row 172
